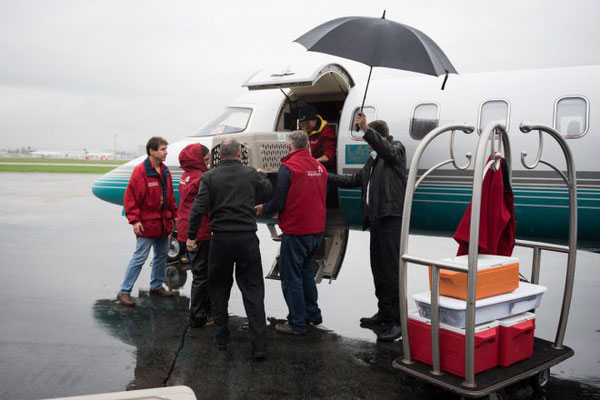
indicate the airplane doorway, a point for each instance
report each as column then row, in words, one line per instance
column 326, row 90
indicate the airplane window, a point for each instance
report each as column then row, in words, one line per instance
column 571, row 116
column 230, row 120
column 425, row 117
column 371, row 116
column 493, row 110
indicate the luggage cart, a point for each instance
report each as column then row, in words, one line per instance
column 546, row 354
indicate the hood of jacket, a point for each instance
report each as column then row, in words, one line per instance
column 321, row 123
column 191, row 158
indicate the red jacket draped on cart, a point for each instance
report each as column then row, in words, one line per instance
column 150, row 199
column 497, row 221
column 192, row 162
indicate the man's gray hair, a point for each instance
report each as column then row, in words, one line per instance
column 298, row 139
column 229, row 148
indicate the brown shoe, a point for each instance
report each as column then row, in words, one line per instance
column 125, row 299
column 161, row 292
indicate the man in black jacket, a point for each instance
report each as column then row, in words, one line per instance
column 383, row 182
column 229, row 194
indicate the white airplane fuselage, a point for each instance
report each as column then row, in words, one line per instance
column 541, row 198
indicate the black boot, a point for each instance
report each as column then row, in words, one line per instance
column 376, row 319
column 393, row 333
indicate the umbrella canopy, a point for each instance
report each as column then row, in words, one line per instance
column 378, row 42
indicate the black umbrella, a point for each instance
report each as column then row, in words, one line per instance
column 378, row 42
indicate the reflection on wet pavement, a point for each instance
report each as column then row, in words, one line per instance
column 62, row 332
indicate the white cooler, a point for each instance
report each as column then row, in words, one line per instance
column 454, row 311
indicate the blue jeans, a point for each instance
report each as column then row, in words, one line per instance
column 142, row 248
column 297, row 278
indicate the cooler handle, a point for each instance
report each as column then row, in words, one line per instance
column 523, row 329
column 488, row 335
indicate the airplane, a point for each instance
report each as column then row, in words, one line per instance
column 563, row 98
column 96, row 155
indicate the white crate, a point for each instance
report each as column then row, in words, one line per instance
column 453, row 311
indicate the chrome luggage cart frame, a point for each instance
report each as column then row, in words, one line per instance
column 546, row 354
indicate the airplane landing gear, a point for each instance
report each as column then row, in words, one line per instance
column 175, row 275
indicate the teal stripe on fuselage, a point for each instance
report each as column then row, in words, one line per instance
column 540, row 213
column 113, row 190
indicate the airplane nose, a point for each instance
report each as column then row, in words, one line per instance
column 111, row 186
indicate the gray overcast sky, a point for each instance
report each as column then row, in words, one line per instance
column 75, row 73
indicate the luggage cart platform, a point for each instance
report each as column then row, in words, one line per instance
column 492, row 380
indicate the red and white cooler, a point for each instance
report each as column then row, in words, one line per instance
column 452, row 345
column 516, row 338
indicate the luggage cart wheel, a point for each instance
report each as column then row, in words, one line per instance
column 175, row 277
column 176, row 250
column 540, row 380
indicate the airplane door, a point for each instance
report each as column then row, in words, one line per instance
column 331, row 77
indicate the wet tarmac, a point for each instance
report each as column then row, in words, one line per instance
column 61, row 333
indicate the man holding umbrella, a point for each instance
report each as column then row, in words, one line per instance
column 383, row 182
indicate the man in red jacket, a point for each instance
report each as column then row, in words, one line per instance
column 300, row 201
column 150, row 207
column 194, row 159
column 320, row 135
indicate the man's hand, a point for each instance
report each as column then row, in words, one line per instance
column 361, row 121
column 138, row 229
column 191, row 245
column 259, row 210
column 323, row 159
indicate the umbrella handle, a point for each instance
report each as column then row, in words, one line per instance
column 445, row 79
column 364, row 97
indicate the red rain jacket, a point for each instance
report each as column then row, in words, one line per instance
column 497, row 220
column 304, row 212
column 192, row 163
column 149, row 199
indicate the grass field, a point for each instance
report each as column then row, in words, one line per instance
column 55, row 168
column 39, row 165
column 60, row 160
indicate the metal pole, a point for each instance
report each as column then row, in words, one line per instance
column 572, row 255
column 535, row 269
column 435, row 320
column 478, row 177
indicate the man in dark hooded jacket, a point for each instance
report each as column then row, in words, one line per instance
column 383, row 183
column 194, row 159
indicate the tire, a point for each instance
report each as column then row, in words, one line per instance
column 539, row 381
column 175, row 277
column 175, row 248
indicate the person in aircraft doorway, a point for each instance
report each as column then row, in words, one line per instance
column 194, row 160
column 300, row 201
column 383, row 183
column 151, row 208
column 321, row 136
